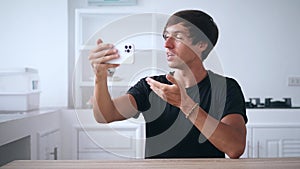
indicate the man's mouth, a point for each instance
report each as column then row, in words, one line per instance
column 170, row 56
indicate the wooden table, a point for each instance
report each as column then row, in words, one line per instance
column 272, row 163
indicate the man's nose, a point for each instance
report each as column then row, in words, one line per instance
column 169, row 42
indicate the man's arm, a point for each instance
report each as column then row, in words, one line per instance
column 228, row 135
column 108, row 110
column 105, row 108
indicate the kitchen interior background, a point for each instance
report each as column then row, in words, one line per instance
column 258, row 43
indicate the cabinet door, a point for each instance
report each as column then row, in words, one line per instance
column 110, row 142
column 49, row 145
column 271, row 142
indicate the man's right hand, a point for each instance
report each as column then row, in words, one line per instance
column 100, row 55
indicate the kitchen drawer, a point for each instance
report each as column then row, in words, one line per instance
column 106, row 155
column 106, row 138
column 122, row 139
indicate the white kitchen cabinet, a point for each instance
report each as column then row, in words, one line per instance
column 115, row 27
column 273, row 133
column 119, row 140
column 31, row 135
column 276, row 141
column 49, row 145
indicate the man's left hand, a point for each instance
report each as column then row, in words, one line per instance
column 174, row 94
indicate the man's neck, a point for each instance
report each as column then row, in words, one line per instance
column 190, row 77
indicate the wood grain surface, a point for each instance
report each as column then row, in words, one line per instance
column 271, row 163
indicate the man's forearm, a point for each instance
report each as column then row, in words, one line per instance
column 228, row 135
column 103, row 105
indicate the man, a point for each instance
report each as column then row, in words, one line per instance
column 190, row 112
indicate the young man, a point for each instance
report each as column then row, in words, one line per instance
column 190, row 112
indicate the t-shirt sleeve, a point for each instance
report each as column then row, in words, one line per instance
column 235, row 101
column 140, row 92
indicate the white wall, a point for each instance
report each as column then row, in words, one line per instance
column 33, row 33
column 258, row 44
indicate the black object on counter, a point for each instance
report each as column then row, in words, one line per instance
column 254, row 103
column 269, row 103
column 287, row 103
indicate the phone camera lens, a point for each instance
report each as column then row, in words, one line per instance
column 126, row 47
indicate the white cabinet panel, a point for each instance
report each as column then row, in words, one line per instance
column 111, row 141
column 273, row 133
column 106, row 138
column 49, row 145
column 291, row 147
column 105, row 155
column 276, row 141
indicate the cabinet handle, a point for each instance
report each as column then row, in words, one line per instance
column 248, row 149
column 54, row 153
column 257, row 149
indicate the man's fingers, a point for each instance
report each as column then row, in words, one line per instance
column 171, row 79
column 155, row 83
column 104, row 48
column 112, row 65
column 159, row 92
column 99, row 41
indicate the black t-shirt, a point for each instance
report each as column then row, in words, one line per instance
column 169, row 134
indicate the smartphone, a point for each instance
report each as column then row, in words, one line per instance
column 126, row 52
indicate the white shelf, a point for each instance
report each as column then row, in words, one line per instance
column 92, row 24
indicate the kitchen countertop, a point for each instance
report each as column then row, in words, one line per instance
column 16, row 125
column 6, row 116
column 271, row 163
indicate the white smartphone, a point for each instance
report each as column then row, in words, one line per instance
column 126, row 52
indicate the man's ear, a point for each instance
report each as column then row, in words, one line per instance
column 202, row 46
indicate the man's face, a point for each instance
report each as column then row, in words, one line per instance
column 179, row 48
